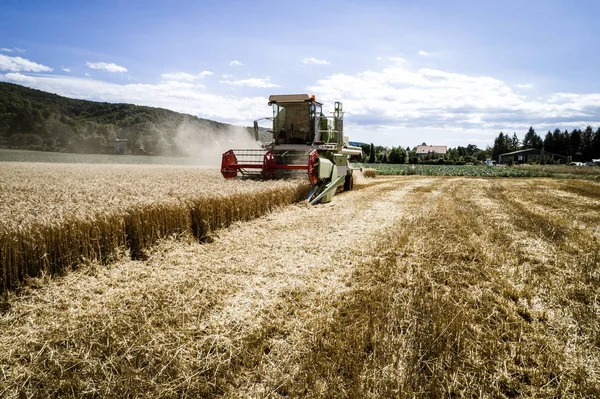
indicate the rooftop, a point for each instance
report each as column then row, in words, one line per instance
column 438, row 149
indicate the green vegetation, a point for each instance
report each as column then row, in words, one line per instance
column 564, row 171
column 579, row 145
column 557, row 171
column 471, row 154
column 454, row 170
column 33, row 119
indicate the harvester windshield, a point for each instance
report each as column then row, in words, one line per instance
column 292, row 123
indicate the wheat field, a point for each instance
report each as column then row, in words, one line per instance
column 406, row 287
column 56, row 216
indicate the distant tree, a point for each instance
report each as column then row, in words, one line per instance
column 482, row 155
column 412, row 157
column 549, row 143
column 575, row 145
column 23, row 122
column 560, row 142
column 25, row 140
column 532, row 140
column 366, row 149
column 501, row 145
column 471, row 159
column 587, row 138
column 472, row 149
column 595, row 145
column 514, row 142
column 397, row 155
column 372, row 154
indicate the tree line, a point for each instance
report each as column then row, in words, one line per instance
column 33, row 119
column 578, row 145
column 471, row 154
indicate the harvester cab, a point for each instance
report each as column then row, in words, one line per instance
column 302, row 142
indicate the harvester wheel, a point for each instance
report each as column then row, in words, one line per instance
column 349, row 183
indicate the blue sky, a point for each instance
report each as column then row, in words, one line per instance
column 443, row 72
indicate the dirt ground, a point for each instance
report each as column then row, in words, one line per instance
column 410, row 286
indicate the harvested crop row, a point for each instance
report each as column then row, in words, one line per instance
column 481, row 292
column 60, row 215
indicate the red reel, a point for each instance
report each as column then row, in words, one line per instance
column 229, row 159
column 269, row 165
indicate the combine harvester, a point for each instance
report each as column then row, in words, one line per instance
column 304, row 141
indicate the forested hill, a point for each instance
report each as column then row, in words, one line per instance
column 39, row 120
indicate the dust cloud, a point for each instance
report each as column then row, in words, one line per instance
column 205, row 144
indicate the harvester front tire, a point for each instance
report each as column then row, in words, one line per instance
column 349, row 183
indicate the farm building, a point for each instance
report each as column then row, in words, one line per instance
column 531, row 155
column 431, row 151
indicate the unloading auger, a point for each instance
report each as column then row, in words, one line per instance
column 304, row 142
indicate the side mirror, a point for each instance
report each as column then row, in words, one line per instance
column 256, row 130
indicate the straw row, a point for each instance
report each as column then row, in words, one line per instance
column 48, row 248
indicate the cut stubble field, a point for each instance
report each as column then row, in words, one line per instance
column 407, row 287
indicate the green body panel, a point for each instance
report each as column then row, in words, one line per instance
column 340, row 159
column 331, row 186
column 325, row 168
column 328, row 190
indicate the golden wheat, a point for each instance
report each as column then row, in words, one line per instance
column 56, row 216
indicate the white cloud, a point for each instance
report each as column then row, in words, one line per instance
column 433, row 99
column 183, row 76
column 226, row 76
column 525, row 86
column 110, row 67
column 262, row 83
column 235, row 63
column 66, row 69
column 10, row 50
column 87, row 74
column 18, row 64
column 315, row 61
column 19, row 78
column 177, row 96
column 397, row 60
column 424, row 53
